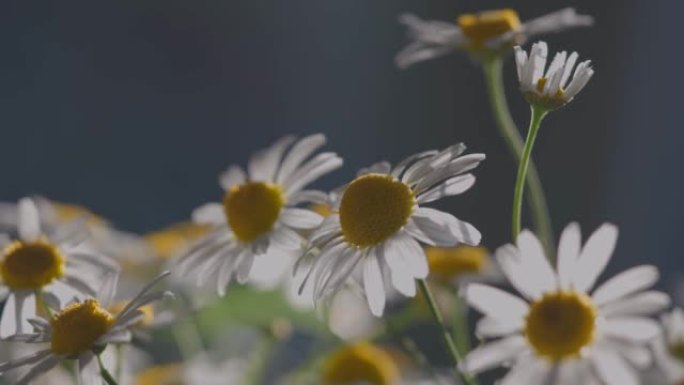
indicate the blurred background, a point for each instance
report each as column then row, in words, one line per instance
column 132, row 108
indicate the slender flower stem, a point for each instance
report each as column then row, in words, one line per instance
column 109, row 379
column 535, row 122
column 511, row 135
column 448, row 339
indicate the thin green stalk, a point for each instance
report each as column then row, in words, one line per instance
column 109, row 379
column 460, row 329
column 448, row 339
column 511, row 135
column 537, row 114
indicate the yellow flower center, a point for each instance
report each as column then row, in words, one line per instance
column 67, row 212
column 373, row 208
column 322, row 209
column 31, row 265
column 170, row 242
column 360, row 363
column 76, row 328
column 171, row 374
column 560, row 324
column 447, row 263
column 481, row 27
column 253, row 208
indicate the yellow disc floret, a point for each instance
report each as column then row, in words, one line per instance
column 453, row 262
column 560, row 324
column 253, row 208
column 31, row 265
column 170, row 374
column 373, row 208
column 481, row 27
column 361, row 363
column 77, row 327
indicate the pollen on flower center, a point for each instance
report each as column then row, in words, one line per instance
column 31, row 265
column 253, row 208
column 560, row 324
column 361, row 363
column 373, row 208
column 77, row 327
column 487, row 25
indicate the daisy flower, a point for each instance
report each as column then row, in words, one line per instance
column 460, row 264
column 259, row 213
column 379, row 220
column 45, row 263
column 554, row 88
column 560, row 331
column 482, row 34
column 360, row 363
column 80, row 332
column 669, row 349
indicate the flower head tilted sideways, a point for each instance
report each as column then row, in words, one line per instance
column 484, row 34
column 554, row 88
column 259, row 214
column 80, row 332
column 379, row 220
column 561, row 332
column 45, row 265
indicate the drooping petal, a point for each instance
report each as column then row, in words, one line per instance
column 594, row 257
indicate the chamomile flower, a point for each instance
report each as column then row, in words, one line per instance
column 669, row 350
column 80, row 332
column 560, row 332
column 45, row 264
column 360, row 363
column 554, row 88
column 483, row 34
column 379, row 220
column 460, row 264
column 259, row 216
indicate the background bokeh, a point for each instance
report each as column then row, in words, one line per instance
column 132, row 108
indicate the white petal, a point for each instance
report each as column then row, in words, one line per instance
column 20, row 306
column 534, row 260
column 376, row 168
column 529, row 285
column 493, row 354
column 315, row 168
column 374, row 285
column 264, row 164
column 453, row 186
column 407, row 252
column 209, row 213
column 495, row 302
column 402, row 277
column 88, row 369
column 25, row 360
column 443, row 229
column 40, row 368
column 234, row 175
column 528, row 370
column 637, row 329
column 244, row 267
column 628, row 282
column 298, row 153
column 595, row 256
column 520, row 61
column 582, row 75
column 568, row 251
column 613, row 369
column 286, row 239
column 646, row 303
column 29, row 220
column 300, row 218
column 555, row 22
column 494, row 327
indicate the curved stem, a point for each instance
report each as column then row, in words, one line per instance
column 511, row 135
column 109, row 379
column 448, row 339
column 535, row 122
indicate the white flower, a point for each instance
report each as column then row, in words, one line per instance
column 554, row 88
column 558, row 333
column 48, row 262
column 80, row 332
column 380, row 219
column 486, row 33
column 259, row 216
column 669, row 350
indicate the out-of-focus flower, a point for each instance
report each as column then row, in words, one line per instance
column 564, row 335
column 45, row 265
column 554, row 88
column 202, row 370
column 258, row 216
column 460, row 264
column 669, row 349
column 380, row 219
column 483, row 34
column 80, row 332
column 360, row 363
column 175, row 239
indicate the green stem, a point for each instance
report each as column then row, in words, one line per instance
column 448, row 339
column 511, row 135
column 535, row 122
column 105, row 373
column 460, row 329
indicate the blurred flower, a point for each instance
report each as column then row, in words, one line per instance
column 175, row 239
column 44, row 265
column 259, row 216
column 550, row 90
column 669, row 349
column 360, row 363
column 482, row 34
column 81, row 331
column 460, row 264
column 202, row 370
column 562, row 329
column 380, row 220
